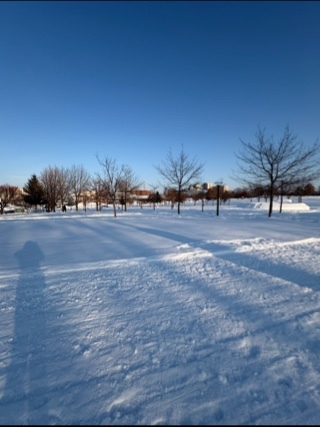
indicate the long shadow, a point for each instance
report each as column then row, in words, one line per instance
column 282, row 271
column 257, row 401
column 285, row 272
column 166, row 234
column 24, row 399
column 262, row 328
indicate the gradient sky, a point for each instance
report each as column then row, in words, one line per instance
column 130, row 80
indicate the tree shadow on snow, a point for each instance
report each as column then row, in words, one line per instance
column 180, row 239
column 24, row 399
column 285, row 272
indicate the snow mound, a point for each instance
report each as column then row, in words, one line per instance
column 286, row 207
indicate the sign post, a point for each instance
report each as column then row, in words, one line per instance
column 218, row 198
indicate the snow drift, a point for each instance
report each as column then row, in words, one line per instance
column 286, row 206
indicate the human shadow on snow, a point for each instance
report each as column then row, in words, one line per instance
column 24, row 399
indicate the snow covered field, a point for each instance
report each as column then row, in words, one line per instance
column 152, row 318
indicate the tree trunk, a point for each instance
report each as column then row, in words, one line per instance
column 114, row 208
column 179, row 198
column 281, row 201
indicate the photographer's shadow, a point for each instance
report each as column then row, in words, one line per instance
column 25, row 396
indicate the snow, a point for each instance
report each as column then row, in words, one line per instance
column 155, row 318
column 286, row 206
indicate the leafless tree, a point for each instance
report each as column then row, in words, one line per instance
column 79, row 182
column 63, row 185
column 111, row 178
column 7, row 195
column 211, row 194
column 274, row 163
column 258, row 190
column 49, row 179
column 202, row 197
column 199, row 195
column 99, row 192
column 129, row 182
column 153, row 196
column 180, row 171
column 309, row 189
column 171, row 196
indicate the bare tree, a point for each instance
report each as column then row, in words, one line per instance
column 49, row 179
column 171, row 195
column 99, row 192
column 274, row 163
column 200, row 195
column 155, row 196
column 79, row 182
column 211, row 194
column 129, row 182
column 180, row 172
column 112, row 178
column 7, row 195
column 63, row 185
column 309, row 189
column 258, row 190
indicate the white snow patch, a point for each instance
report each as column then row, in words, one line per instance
column 286, row 207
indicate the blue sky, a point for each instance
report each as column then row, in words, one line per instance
column 130, row 80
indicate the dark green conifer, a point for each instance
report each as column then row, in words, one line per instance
column 34, row 192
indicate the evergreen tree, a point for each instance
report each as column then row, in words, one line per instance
column 34, row 192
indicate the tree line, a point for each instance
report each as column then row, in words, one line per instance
column 266, row 168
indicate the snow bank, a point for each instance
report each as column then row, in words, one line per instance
column 286, row 206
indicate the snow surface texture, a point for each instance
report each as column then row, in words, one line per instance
column 286, row 207
column 155, row 318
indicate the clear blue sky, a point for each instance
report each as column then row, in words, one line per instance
column 130, row 80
